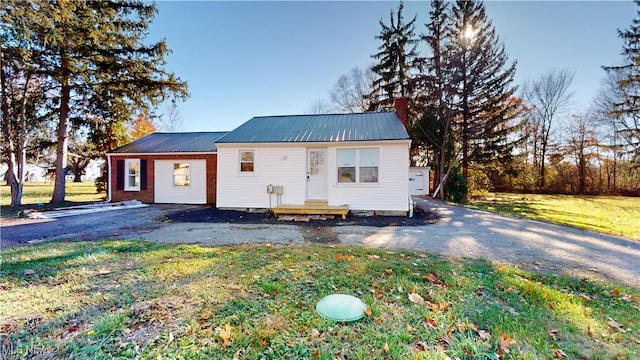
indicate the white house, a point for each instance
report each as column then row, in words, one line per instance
column 360, row 160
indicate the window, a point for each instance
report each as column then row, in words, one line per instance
column 368, row 166
column 132, row 174
column 246, row 161
column 181, row 175
column 346, row 166
column 358, row 165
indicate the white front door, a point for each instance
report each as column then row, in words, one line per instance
column 317, row 174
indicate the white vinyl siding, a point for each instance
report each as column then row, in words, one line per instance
column 132, row 175
column 389, row 193
column 286, row 165
column 184, row 184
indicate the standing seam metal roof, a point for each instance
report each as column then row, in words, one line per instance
column 369, row 126
column 173, row 143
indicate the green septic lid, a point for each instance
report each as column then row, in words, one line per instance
column 341, row 307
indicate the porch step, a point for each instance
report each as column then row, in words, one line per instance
column 341, row 210
column 316, row 203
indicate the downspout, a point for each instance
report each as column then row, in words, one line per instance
column 411, row 205
column 108, row 178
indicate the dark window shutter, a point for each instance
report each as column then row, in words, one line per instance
column 143, row 174
column 120, row 175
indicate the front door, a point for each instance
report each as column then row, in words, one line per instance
column 317, row 174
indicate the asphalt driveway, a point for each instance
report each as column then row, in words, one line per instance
column 460, row 232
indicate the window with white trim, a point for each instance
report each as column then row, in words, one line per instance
column 181, row 175
column 132, row 175
column 358, row 165
column 247, row 161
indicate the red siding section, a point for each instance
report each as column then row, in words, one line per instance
column 146, row 196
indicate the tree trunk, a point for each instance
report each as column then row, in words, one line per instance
column 543, row 155
column 77, row 177
column 582, row 174
column 63, row 136
column 9, row 145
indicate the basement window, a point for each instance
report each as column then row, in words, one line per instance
column 181, row 175
column 132, row 172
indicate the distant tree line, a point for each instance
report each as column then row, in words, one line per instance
column 74, row 75
column 481, row 132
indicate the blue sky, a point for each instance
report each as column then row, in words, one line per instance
column 245, row 59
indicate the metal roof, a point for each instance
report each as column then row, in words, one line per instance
column 369, row 126
column 183, row 142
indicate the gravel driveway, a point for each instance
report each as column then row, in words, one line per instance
column 460, row 232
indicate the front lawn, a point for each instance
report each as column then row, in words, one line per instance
column 130, row 299
column 614, row 215
column 38, row 195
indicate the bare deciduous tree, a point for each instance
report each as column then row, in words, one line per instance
column 550, row 97
column 171, row 121
column 351, row 93
column 319, row 106
column 581, row 143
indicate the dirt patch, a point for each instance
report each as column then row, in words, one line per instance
column 213, row 215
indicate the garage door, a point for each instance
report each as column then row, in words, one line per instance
column 180, row 181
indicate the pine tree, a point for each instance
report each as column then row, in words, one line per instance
column 483, row 79
column 433, row 129
column 625, row 111
column 395, row 60
column 95, row 54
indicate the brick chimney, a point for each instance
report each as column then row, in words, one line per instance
column 402, row 110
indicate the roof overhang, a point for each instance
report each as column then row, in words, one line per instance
column 313, row 144
column 163, row 153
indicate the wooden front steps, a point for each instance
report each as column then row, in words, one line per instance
column 312, row 208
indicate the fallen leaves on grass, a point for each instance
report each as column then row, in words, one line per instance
column 204, row 317
column 340, row 256
column 505, row 343
column 416, row 298
column 430, row 323
column 616, row 325
column 432, row 278
column 225, row 335
column 558, row 354
column 484, row 335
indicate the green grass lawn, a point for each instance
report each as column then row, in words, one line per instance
column 125, row 299
column 615, row 215
column 38, row 195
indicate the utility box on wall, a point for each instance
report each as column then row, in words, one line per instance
column 419, row 180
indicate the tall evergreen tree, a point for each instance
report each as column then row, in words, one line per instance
column 483, row 79
column 95, row 54
column 395, row 60
column 23, row 94
column 434, row 127
column 626, row 111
